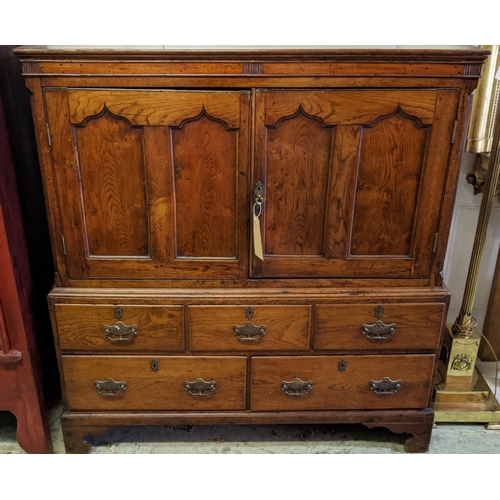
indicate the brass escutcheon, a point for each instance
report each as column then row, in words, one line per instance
column 259, row 193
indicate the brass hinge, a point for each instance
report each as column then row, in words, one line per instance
column 63, row 244
column 48, row 134
column 455, row 125
column 434, row 248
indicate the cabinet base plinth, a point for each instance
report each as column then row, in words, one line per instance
column 76, row 426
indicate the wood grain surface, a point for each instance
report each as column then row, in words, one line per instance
column 333, row 389
column 371, row 207
column 206, row 186
column 418, row 326
column 152, row 197
column 286, row 327
column 160, row 390
column 297, row 167
column 153, row 107
column 113, row 181
column 349, row 107
column 389, row 172
column 80, row 327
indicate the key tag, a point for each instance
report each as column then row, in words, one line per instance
column 257, row 238
column 257, row 211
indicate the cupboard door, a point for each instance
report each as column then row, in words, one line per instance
column 151, row 183
column 352, row 180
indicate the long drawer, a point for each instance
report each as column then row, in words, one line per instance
column 368, row 326
column 160, row 383
column 340, row 383
column 119, row 328
column 249, row 328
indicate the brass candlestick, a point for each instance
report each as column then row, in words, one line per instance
column 465, row 323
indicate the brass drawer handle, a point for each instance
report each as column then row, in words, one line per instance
column 110, row 387
column 386, row 386
column 379, row 331
column 249, row 332
column 120, row 332
column 297, row 387
column 200, row 387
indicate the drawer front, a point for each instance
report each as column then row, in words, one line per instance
column 160, row 383
column 341, row 383
column 252, row 328
column 123, row 328
column 368, row 326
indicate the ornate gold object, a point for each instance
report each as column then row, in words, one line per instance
column 462, row 362
column 110, row 387
column 478, row 175
column 120, row 332
column 379, row 312
column 485, row 105
column 297, row 387
column 464, row 324
column 463, row 394
column 249, row 332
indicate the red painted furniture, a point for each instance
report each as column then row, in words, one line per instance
column 20, row 375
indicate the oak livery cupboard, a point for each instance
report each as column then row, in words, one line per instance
column 249, row 236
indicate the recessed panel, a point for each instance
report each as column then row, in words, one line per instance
column 390, row 167
column 205, row 170
column 113, row 187
column 298, row 158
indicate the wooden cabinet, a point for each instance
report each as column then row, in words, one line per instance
column 153, row 182
column 166, row 170
column 353, row 180
column 21, row 390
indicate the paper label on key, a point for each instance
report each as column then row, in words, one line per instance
column 257, row 239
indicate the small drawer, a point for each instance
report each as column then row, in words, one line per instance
column 252, row 328
column 341, row 383
column 159, row 383
column 372, row 326
column 119, row 328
